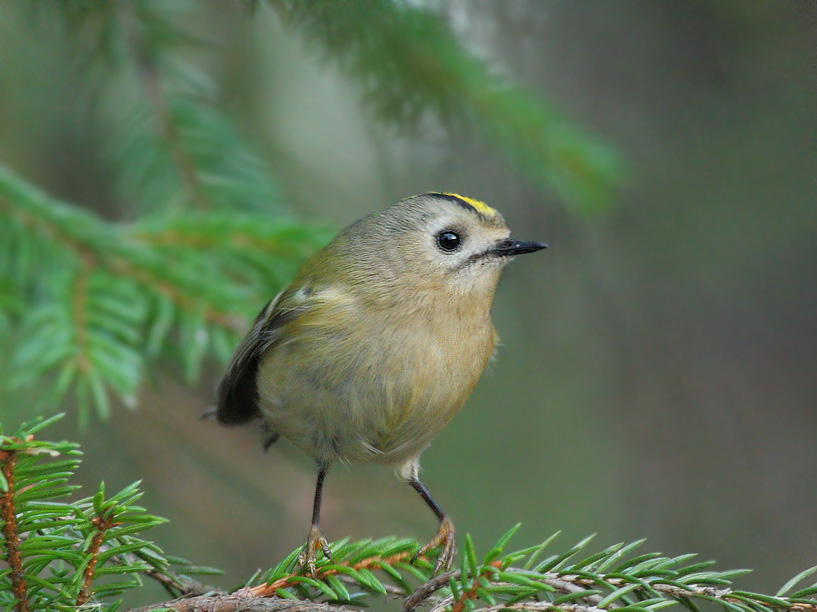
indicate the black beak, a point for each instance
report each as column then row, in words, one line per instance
column 510, row 247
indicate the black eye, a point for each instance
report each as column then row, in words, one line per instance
column 448, row 240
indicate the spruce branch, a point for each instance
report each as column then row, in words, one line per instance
column 610, row 579
column 63, row 551
column 146, row 66
column 293, row 579
column 102, row 525
column 213, row 164
column 144, row 59
column 409, row 63
column 178, row 585
column 615, row 578
column 171, row 146
column 102, row 304
column 10, row 533
column 233, row 603
column 61, row 554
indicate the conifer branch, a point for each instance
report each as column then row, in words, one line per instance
column 292, row 579
column 113, row 303
column 233, row 603
column 150, row 78
column 11, row 536
column 409, row 63
column 117, row 257
column 69, row 547
column 102, row 525
column 180, row 586
column 79, row 303
column 58, row 552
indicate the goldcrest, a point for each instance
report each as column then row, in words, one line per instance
column 377, row 343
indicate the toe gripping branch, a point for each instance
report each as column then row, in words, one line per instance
column 315, row 541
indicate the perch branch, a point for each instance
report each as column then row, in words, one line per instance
column 268, row 590
column 236, row 603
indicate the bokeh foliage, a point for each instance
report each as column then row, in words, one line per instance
column 204, row 235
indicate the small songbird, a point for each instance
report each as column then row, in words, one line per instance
column 377, row 343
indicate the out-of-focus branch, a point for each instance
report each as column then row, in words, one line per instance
column 149, row 77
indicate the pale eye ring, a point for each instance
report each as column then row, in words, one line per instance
column 448, row 240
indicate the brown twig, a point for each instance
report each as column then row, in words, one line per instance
column 459, row 604
column 268, row 590
column 180, row 586
column 427, row 589
column 18, row 584
column 79, row 302
column 542, row 606
column 235, row 603
column 102, row 525
column 560, row 584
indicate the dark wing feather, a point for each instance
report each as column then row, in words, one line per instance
column 238, row 390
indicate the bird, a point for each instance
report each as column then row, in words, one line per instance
column 376, row 345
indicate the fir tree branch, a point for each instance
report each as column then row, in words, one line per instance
column 104, row 303
column 8, row 461
column 442, row 581
column 180, row 586
column 149, row 75
column 409, row 63
column 427, row 589
column 602, row 581
column 115, row 257
column 61, row 553
column 67, row 548
column 233, row 603
column 102, row 525
column 270, row 589
column 540, row 606
column 79, row 303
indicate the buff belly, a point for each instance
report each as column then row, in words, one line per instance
column 384, row 406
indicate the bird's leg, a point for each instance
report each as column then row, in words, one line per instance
column 444, row 539
column 315, row 541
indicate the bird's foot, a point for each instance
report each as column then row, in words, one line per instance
column 446, row 541
column 314, row 542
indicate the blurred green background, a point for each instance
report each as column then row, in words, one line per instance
column 658, row 374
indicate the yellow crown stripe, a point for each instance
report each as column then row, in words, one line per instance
column 481, row 207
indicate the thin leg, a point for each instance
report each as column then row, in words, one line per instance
column 445, row 537
column 435, row 507
column 316, row 505
column 315, row 541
